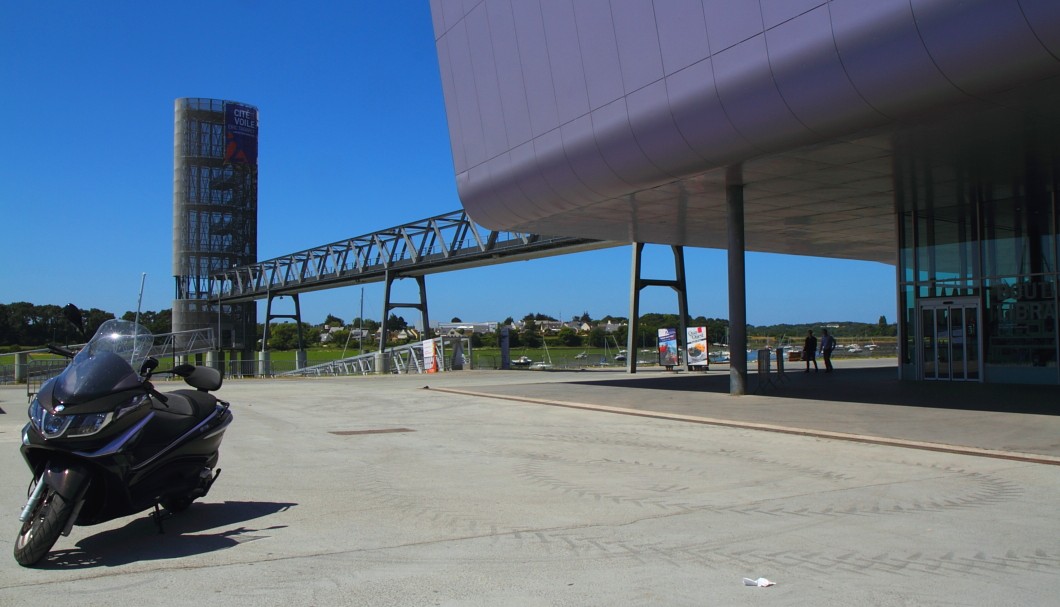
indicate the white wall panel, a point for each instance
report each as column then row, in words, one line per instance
column 884, row 57
column 509, row 71
column 579, row 144
column 599, row 51
column 638, row 43
column 657, row 136
column 730, row 22
column 556, row 170
column 619, row 147
column 775, row 12
column 568, row 78
column 699, row 115
column 452, row 110
column 1043, row 16
column 466, row 95
column 812, row 81
column 980, row 45
column 494, row 132
column 537, row 71
column 682, row 33
column 750, row 97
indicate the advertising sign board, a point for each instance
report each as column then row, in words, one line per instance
column 668, row 347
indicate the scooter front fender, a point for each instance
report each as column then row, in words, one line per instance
column 67, row 480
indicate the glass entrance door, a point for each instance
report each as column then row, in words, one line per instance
column 949, row 340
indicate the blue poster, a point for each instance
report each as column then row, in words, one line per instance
column 241, row 134
column 668, row 347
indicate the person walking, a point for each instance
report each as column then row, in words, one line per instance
column 809, row 351
column 827, row 345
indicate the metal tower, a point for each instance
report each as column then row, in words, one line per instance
column 215, row 207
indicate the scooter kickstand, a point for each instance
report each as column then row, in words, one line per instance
column 157, row 515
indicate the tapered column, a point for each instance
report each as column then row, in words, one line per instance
column 737, row 284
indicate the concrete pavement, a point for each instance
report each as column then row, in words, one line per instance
column 377, row 491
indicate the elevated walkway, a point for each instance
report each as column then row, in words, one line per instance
column 437, row 244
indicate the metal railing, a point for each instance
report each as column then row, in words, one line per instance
column 34, row 372
column 400, row 360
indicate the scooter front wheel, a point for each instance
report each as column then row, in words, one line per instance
column 41, row 531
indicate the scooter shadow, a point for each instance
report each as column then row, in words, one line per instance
column 140, row 540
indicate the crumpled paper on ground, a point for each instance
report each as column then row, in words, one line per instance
column 760, row 582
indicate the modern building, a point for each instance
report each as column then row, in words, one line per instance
column 215, row 208
column 921, row 134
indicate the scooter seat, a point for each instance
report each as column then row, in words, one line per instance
column 190, row 403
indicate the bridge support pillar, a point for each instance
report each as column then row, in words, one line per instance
column 389, row 305
column 264, row 363
column 216, row 359
column 21, row 367
column 380, row 363
column 678, row 284
column 297, row 317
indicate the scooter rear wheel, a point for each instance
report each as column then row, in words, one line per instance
column 41, row 531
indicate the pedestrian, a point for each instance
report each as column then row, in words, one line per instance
column 809, row 351
column 827, row 345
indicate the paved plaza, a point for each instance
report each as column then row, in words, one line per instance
column 473, row 488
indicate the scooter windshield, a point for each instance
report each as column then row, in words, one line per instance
column 106, row 364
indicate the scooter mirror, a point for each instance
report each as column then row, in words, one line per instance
column 149, row 365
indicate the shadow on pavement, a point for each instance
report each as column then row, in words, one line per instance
column 140, row 540
column 873, row 385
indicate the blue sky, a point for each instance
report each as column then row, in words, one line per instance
column 353, row 139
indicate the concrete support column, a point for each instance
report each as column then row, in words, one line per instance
column 21, row 367
column 634, row 309
column 737, row 283
column 264, row 363
column 215, row 359
column 300, row 359
column 380, row 363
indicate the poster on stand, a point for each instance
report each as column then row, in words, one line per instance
column 697, row 345
column 430, row 360
column 668, row 347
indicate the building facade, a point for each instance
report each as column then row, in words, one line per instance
column 917, row 134
column 215, row 209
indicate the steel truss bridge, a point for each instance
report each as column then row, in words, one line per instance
column 438, row 244
column 413, row 250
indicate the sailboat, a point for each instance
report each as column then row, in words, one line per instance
column 543, row 364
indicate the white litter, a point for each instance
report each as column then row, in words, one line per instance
column 760, row 582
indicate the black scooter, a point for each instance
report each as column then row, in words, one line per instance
column 103, row 443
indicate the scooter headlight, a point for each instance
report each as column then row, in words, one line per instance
column 74, row 426
column 87, row 424
column 49, row 424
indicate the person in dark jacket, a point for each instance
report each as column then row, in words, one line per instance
column 809, row 351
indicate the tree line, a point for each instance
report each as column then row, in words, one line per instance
column 24, row 325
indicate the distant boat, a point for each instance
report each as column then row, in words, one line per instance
column 544, row 364
column 522, row 361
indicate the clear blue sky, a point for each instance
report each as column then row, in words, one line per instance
column 353, row 139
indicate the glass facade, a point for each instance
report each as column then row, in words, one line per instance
column 978, row 277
